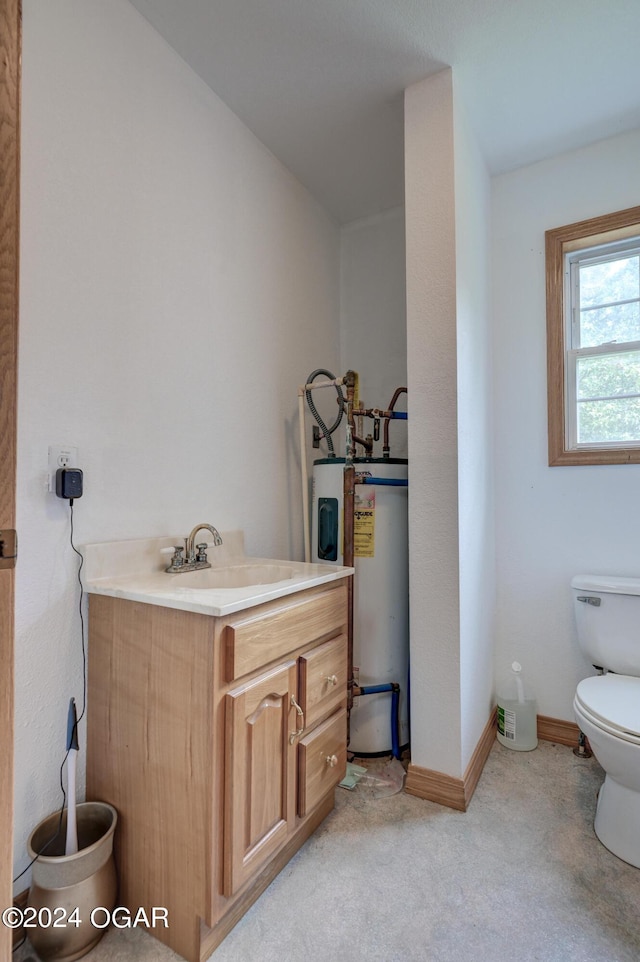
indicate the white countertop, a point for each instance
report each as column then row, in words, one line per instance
column 134, row 570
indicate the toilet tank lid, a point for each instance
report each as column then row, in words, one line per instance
column 607, row 583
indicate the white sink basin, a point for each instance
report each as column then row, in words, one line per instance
column 233, row 576
column 135, row 571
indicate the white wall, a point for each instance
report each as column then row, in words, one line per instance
column 476, row 517
column 450, row 475
column 434, row 625
column 175, row 283
column 373, row 315
column 555, row 522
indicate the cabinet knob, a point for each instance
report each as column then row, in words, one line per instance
column 331, row 760
column 332, row 679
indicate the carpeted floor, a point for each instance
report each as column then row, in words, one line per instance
column 521, row 876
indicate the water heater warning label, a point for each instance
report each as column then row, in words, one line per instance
column 364, row 524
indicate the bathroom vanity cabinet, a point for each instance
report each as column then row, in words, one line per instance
column 220, row 741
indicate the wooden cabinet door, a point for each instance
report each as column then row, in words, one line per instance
column 259, row 792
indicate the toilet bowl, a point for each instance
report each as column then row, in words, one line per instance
column 607, row 706
column 607, row 710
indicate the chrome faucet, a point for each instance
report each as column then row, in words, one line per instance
column 196, row 553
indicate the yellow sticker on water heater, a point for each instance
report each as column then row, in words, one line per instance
column 364, row 532
column 364, row 522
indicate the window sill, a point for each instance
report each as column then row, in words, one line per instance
column 594, row 456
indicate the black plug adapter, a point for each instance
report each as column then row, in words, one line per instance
column 69, row 483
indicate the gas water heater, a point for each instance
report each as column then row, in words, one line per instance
column 381, row 586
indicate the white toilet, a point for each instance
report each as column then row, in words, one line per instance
column 607, row 707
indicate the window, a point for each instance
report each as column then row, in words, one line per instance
column 593, row 340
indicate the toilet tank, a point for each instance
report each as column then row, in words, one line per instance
column 607, row 611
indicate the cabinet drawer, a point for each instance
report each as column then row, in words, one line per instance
column 253, row 642
column 322, row 761
column 323, row 679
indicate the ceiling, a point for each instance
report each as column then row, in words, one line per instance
column 320, row 82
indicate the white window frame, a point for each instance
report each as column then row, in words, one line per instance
column 597, row 236
column 574, row 351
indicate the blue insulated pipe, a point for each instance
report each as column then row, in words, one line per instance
column 394, row 688
column 393, row 482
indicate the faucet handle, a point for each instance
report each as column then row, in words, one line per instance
column 202, row 551
column 177, row 560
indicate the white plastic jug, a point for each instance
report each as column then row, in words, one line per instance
column 517, row 712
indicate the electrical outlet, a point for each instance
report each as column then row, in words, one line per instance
column 60, row 456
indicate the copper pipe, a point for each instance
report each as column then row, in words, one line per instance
column 349, row 478
column 348, row 548
column 396, row 395
column 367, row 443
column 374, row 413
column 385, row 436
